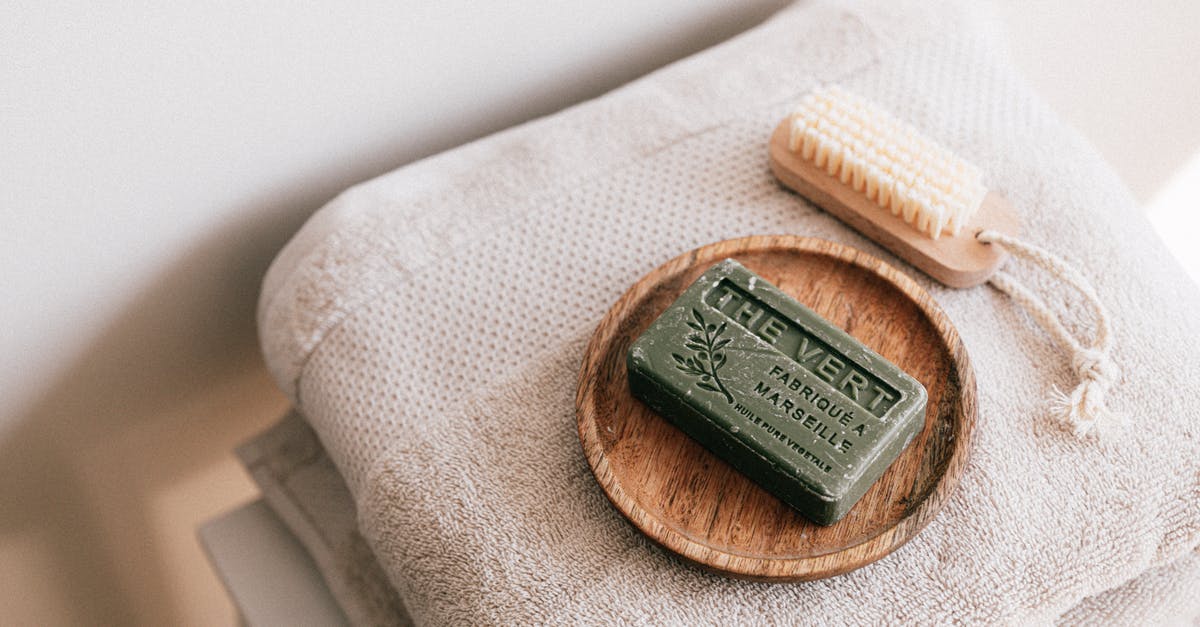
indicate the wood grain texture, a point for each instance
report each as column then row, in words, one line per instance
column 957, row 261
column 693, row 504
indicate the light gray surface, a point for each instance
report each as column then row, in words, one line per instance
column 1124, row 73
column 268, row 574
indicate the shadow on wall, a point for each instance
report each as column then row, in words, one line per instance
column 168, row 388
column 135, row 413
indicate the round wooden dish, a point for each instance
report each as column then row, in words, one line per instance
column 687, row 500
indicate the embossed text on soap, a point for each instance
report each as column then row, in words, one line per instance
column 852, row 380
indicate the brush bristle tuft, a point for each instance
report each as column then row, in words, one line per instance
column 888, row 161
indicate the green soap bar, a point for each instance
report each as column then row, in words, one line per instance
column 781, row 394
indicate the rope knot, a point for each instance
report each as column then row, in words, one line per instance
column 1095, row 365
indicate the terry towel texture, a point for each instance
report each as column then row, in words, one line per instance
column 430, row 324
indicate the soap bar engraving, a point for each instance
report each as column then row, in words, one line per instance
column 783, row 395
column 705, row 341
column 791, row 394
column 803, row 346
column 775, row 432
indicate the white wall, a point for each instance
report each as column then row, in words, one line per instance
column 170, row 149
column 153, row 158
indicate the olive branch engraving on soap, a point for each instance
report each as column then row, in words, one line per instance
column 705, row 344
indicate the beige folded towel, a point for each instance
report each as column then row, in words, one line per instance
column 430, row 324
column 298, row 480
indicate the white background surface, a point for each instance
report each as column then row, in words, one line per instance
column 154, row 157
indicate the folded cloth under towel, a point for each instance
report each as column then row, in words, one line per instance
column 299, row 482
column 430, row 324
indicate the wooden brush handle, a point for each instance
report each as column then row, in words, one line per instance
column 957, row 261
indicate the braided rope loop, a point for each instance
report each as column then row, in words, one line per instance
column 1083, row 409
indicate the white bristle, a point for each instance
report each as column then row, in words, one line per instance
column 899, row 196
column 885, row 190
column 888, row 161
column 872, row 181
column 809, row 148
column 859, row 175
column 821, row 156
